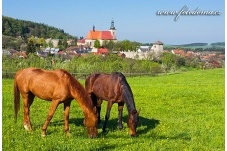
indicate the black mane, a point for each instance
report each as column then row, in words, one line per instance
column 127, row 93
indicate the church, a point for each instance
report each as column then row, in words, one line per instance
column 101, row 35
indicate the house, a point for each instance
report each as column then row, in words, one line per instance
column 53, row 41
column 100, row 51
column 81, row 42
column 51, row 50
column 42, row 54
column 143, row 49
column 6, row 53
column 178, row 52
column 101, row 36
column 15, row 53
column 103, row 51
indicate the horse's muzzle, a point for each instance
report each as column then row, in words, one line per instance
column 92, row 132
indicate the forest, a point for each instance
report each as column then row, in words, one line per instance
column 25, row 29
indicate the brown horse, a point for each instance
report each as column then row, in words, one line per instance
column 115, row 89
column 57, row 86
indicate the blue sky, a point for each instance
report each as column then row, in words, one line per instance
column 134, row 20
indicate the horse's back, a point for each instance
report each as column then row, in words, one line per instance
column 105, row 86
column 42, row 83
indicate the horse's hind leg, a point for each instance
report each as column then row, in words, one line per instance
column 66, row 118
column 28, row 100
column 120, row 109
column 98, row 107
column 97, row 103
column 53, row 108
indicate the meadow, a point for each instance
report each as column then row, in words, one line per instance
column 183, row 111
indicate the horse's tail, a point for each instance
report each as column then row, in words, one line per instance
column 16, row 99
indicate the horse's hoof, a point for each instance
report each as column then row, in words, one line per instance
column 43, row 135
column 68, row 134
column 27, row 128
column 133, row 135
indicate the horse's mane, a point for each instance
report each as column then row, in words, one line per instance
column 81, row 92
column 127, row 92
column 123, row 80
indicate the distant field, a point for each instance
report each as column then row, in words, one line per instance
column 178, row 112
column 193, row 47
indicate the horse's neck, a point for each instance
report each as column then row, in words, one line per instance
column 80, row 95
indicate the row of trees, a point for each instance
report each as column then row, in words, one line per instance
column 83, row 65
column 31, row 45
column 118, row 46
column 95, row 63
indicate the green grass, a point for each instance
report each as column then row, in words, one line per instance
column 178, row 112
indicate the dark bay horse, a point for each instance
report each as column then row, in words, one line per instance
column 57, row 86
column 115, row 89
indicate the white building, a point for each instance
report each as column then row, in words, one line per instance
column 157, row 47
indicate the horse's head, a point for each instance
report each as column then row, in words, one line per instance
column 90, row 122
column 133, row 120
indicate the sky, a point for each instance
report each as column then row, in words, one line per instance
column 134, row 20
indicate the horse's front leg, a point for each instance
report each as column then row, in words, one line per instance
column 53, row 108
column 66, row 116
column 120, row 110
column 28, row 100
column 109, row 106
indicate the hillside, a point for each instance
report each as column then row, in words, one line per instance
column 199, row 47
column 25, row 29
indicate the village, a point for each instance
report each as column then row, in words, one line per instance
column 87, row 45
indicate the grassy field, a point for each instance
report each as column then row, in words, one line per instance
column 178, row 112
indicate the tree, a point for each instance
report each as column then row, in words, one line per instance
column 65, row 44
column 97, row 44
column 41, row 42
column 62, row 44
column 109, row 45
column 6, row 29
column 50, row 44
column 31, row 45
column 168, row 60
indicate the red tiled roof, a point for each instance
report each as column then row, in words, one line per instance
column 104, row 35
column 93, row 35
column 179, row 52
column 81, row 41
column 102, row 50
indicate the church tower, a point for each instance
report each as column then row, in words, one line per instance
column 113, row 29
